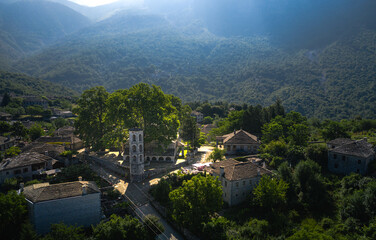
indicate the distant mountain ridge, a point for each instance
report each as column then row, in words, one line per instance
column 28, row 26
column 324, row 76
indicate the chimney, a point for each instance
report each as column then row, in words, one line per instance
column 84, row 189
column 221, row 171
column 80, row 178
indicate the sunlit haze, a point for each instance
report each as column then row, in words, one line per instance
column 93, row 3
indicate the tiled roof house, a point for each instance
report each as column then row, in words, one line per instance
column 346, row 156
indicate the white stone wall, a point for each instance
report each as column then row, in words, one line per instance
column 236, row 192
column 83, row 210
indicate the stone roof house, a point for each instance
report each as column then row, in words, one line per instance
column 238, row 142
column 51, row 150
column 346, row 156
column 6, row 142
column 199, row 116
column 69, row 142
column 237, row 178
column 71, row 203
column 25, row 165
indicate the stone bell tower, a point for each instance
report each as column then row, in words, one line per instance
column 136, row 154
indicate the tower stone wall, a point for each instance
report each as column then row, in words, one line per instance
column 136, row 154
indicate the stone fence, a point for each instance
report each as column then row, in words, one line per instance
column 113, row 167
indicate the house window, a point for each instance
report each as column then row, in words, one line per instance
column 357, row 170
column 250, row 182
column 336, row 165
column 335, row 156
column 225, row 194
column 7, row 173
column 359, row 161
column 25, row 170
column 343, row 158
column 234, row 147
column 17, row 171
column 243, row 183
column 134, row 138
column 228, row 148
column 243, row 193
column 236, row 195
column 237, row 184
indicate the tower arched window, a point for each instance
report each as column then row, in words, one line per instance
column 134, row 148
column 140, row 148
column 134, row 138
column 134, row 158
column 140, row 137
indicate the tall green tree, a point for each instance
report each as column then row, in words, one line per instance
column 270, row 194
column 217, row 154
column 196, row 200
column 334, row 130
column 189, row 131
column 118, row 228
column 6, row 100
column 64, row 232
column 13, row 215
column 19, row 130
column 152, row 226
column 36, row 131
column 90, row 123
column 153, row 111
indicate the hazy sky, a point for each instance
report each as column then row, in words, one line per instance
column 93, row 3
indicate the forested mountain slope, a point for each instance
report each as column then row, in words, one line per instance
column 325, row 71
column 21, row 84
column 28, row 26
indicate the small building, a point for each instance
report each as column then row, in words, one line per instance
column 199, row 116
column 6, row 142
column 26, row 166
column 153, row 152
column 238, row 142
column 51, row 150
column 65, row 131
column 5, row 116
column 347, row 156
column 238, row 179
column 72, row 203
column 69, row 142
column 34, row 100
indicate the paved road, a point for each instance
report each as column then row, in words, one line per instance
column 136, row 193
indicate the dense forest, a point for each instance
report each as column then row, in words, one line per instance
column 23, row 85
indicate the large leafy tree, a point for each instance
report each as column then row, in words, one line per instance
column 196, row 200
column 90, row 123
column 270, row 194
column 334, row 130
column 13, row 215
column 118, row 228
column 189, row 131
column 63, row 232
column 153, row 111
